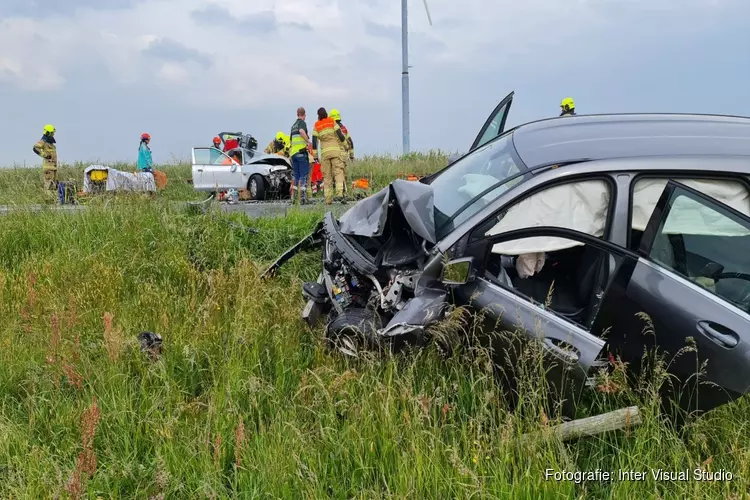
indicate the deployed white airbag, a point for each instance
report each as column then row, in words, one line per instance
column 120, row 181
column 581, row 206
column 690, row 217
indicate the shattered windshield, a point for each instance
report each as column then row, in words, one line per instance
column 475, row 181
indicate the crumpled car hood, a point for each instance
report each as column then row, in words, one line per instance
column 367, row 218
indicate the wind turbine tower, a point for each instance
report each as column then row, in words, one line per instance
column 405, row 70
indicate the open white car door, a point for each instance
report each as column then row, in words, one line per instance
column 214, row 170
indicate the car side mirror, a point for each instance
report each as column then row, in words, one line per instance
column 457, row 272
column 234, row 167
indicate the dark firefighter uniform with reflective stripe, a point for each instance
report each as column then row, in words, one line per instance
column 46, row 148
column 277, row 146
column 328, row 133
column 347, row 148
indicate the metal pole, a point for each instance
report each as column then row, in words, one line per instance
column 405, row 75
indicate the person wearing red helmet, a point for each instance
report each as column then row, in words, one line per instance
column 145, row 162
column 215, row 152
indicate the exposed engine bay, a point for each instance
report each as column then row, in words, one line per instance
column 372, row 262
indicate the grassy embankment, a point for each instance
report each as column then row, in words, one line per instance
column 248, row 402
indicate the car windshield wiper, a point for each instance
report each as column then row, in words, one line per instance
column 480, row 196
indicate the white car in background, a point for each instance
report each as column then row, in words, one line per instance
column 264, row 176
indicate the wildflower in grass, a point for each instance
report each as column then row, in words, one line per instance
column 239, row 441
column 86, row 464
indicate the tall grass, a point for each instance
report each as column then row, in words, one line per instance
column 245, row 401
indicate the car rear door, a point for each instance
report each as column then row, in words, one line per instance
column 691, row 281
column 495, row 124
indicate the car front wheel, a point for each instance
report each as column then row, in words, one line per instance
column 257, row 187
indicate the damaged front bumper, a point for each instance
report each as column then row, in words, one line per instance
column 373, row 266
column 352, row 286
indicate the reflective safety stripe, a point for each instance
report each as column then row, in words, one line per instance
column 326, row 132
column 297, row 143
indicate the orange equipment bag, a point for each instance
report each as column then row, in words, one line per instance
column 160, row 178
column 361, row 183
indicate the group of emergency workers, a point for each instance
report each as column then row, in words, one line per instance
column 330, row 142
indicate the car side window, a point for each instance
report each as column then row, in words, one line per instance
column 560, row 274
column 205, row 156
column 706, row 243
column 583, row 206
column 647, row 191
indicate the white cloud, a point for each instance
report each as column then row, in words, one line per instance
column 286, row 53
column 173, row 73
column 279, row 61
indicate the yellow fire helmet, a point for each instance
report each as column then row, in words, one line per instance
column 335, row 114
column 280, row 136
column 568, row 103
column 49, row 129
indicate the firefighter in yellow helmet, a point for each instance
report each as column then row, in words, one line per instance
column 47, row 150
column 567, row 107
column 278, row 145
column 347, row 147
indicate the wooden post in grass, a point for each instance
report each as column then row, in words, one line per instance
column 625, row 418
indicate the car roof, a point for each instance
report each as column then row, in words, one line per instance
column 599, row 137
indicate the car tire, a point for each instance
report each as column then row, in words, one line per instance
column 353, row 330
column 256, row 186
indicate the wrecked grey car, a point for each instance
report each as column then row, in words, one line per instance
column 572, row 230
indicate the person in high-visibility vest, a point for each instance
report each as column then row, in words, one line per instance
column 328, row 133
column 298, row 145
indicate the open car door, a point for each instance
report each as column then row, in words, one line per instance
column 495, row 124
column 691, row 281
column 213, row 169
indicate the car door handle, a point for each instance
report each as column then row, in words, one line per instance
column 564, row 355
column 719, row 334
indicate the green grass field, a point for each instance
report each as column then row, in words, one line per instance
column 248, row 402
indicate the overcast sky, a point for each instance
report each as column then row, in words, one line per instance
column 104, row 71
